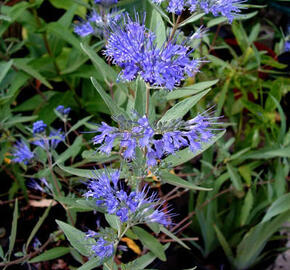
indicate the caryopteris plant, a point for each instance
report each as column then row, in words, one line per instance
column 147, row 62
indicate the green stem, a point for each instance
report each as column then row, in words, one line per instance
column 147, row 98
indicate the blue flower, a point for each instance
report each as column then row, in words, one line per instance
column 38, row 127
column 96, row 23
column 227, row 8
column 51, row 142
column 62, row 110
column 84, row 29
column 156, row 143
column 134, row 49
column 135, row 206
column 103, row 248
column 22, row 153
column 106, row 2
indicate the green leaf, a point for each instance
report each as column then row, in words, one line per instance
column 150, row 242
column 76, row 238
column 63, row 33
column 191, row 19
column 246, row 208
column 255, row 240
column 143, row 261
column 268, row 152
column 190, row 90
column 114, row 109
column 235, row 177
column 216, row 21
column 91, row 264
column 185, row 155
column 279, row 206
column 101, row 66
column 4, row 68
column 114, row 221
column 77, row 172
column 1, row 253
column 158, row 27
column 175, row 180
column 22, row 65
column 12, row 237
column 182, row 107
column 161, row 12
column 37, row 226
column 140, row 100
column 72, row 151
column 225, row 245
column 51, row 254
column 79, row 124
column 175, row 238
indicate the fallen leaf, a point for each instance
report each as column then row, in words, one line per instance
column 42, row 203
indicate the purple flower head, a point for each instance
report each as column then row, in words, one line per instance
column 42, row 185
column 38, row 127
column 103, row 248
column 156, row 142
column 133, row 48
column 106, row 2
column 22, row 153
column 287, row 46
column 97, row 23
column 62, row 110
column 52, row 141
column 135, row 206
column 84, row 29
column 227, row 8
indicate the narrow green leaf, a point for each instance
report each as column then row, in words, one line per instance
column 22, row 65
column 185, row 155
column 191, row 19
column 225, row 245
column 175, row 238
column 114, row 109
column 63, row 33
column 79, row 124
column 4, row 68
column 158, row 27
column 235, row 177
column 38, row 225
column 140, row 100
column 279, row 206
column 268, row 152
column 247, row 207
column 114, row 221
column 51, row 254
column 175, row 180
column 190, row 90
column 91, row 264
column 72, row 151
column 255, row 240
column 76, row 238
column 182, row 107
column 12, row 237
column 150, row 242
column 161, row 12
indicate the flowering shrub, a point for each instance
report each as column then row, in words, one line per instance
column 116, row 171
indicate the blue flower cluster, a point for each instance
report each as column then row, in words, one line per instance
column 133, row 48
column 96, row 23
column 38, row 127
column 156, row 143
column 62, row 110
column 135, row 207
column 106, row 2
column 43, row 186
column 227, row 8
column 50, row 142
column 103, row 248
column 21, row 150
column 22, row 153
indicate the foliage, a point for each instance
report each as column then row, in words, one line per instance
column 54, row 87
